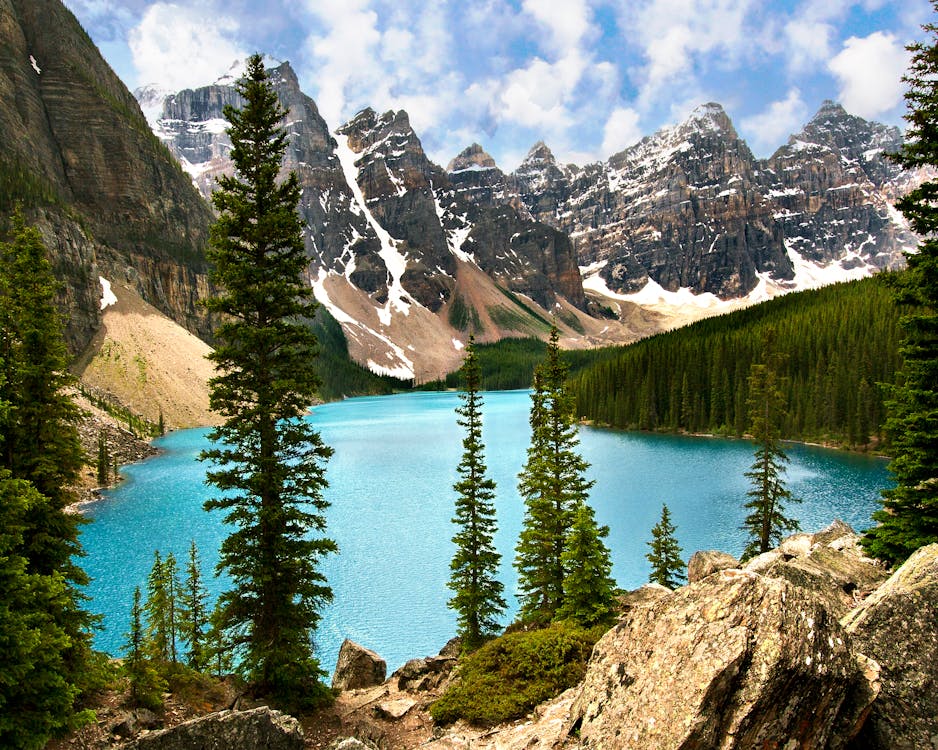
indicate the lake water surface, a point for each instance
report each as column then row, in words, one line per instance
column 392, row 500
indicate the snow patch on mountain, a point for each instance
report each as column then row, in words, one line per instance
column 396, row 262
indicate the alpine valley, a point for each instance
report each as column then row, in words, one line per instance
column 410, row 257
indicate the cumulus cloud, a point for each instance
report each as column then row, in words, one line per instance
column 808, row 42
column 675, row 37
column 568, row 23
column 178, row 47
column 770, row 128
column 621, row 130
column 869, row 71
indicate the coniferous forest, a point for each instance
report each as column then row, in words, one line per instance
column 839, row 347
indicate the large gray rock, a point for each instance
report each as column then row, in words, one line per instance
column 733, row 661
column 706, row 562
column 428, row 673
column 898, row 627
column 357, row 667
column 257, row 729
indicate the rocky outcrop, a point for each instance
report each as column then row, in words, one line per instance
column 898, row 627
column 107, row 196
column 428, row 673
column 357, row 667
column 706, row 562
column 736, row 660
column 256, row 729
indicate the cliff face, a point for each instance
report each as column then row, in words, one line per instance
column 78, row 154
column 691, row 207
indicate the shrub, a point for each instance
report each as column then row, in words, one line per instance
column 510, row 675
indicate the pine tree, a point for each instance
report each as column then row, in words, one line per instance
column 104, row 460
column 766, row 520
column 667, row 567
column 157, row 608
column 477, row 597
column 146, row 686
column 909, row 517
column 193, row 614
column 36, row 693
column 268, row 461
column 588, row 588
column 38, row 436
column 552, row 486
column 217, row 645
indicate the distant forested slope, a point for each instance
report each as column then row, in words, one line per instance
column 839, row 344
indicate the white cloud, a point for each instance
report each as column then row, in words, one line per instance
column 621, row 130
column 807, row 43
column 770, row 128
column 870, row 71
column 568, row 22
column 538, row 95
column 678, row 37
column 178, row 46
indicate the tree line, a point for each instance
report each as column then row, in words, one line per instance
column 838, row 344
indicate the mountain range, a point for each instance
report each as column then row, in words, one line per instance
column 411, row 257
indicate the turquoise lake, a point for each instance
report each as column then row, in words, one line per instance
column 392, row 500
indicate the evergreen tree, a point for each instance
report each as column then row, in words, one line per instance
column 268, row 461
column 104, row 460
column 157, row 608
column 552, row 486
column 477, row 597
column 909, row 517
column 193, row 615
column 146, row 686
column 667, row 567
column 38, row 437
column 217, row 645
column 37, row 694
column 588, row 588
column 766, row 520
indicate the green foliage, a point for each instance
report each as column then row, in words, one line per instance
column 667, row 567
column 588, row 588
column 39, row 444
column 268, row 462
column 477, row 592
column 22, row 186
column 160, row 608
column 193, row 612
column 137, row 425
column 104, row 459
column 909, row 517
column 512, row 674
column 146, row 685
column 767, row 521
column 464, row 317
column 838, row 344
column 37, row 685
column 553, row 486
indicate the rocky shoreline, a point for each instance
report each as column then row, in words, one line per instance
column 811, row 645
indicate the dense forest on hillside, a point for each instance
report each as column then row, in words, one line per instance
column 839, row 344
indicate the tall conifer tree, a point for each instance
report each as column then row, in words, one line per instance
column 38, row 436
column 552, row 484
column 477, row 597
column 193, row 612
column 909, row 517
column 667, row 567
column 588, row 588
column 766, row 520
column 268, row 461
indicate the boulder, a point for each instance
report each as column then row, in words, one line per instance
column 707, row 562
column 796, row 545
column 734, row 661
column 762, row 563
column 643, row 596
column 428, row 673
column 257, row 729
column 357, row 667
column 350, row 743
column 897, row 626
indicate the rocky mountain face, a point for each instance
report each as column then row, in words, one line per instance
column 78, row 156
column 388, row 232
column 691, row 207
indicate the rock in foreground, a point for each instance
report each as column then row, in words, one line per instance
column 733, row 661
column 357, row 667
column 257, row 729
column 898, row 627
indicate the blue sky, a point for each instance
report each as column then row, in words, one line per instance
column 588, row 77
